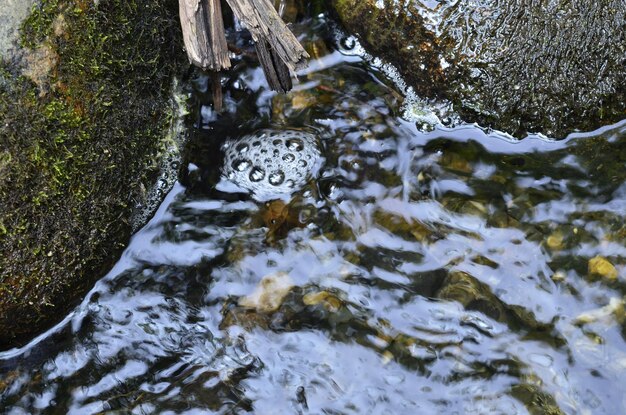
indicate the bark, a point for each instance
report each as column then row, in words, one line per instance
column 276, row 72
column 278, row 50
column 266, row 26
column 203, row 33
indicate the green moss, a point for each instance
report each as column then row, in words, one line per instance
column 76, row 149
column 38, row 26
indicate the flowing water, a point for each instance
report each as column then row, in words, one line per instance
column 444, row 270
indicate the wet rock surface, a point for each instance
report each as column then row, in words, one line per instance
column 12, row 14
column 548, row 67
column 85, row 109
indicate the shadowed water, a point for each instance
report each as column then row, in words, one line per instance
column 436, row 270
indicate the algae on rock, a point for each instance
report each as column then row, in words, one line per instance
column 548, row 67
column 79, row 136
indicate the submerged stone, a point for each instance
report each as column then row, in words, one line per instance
column 329, row 301
column 549, row 67
column 614, row 311
column 601, row 266
column 269, row 294
column 555, row 241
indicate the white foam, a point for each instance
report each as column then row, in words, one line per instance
column 271, row 164
column 169, row 161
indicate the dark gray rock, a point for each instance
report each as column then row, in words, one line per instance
column 547, row 66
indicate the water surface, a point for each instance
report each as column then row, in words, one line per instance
column 417, row 270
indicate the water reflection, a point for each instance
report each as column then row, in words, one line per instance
column 448, row 271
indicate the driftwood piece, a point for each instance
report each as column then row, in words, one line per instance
column 276, row 72
column 278, row 50
column 266, row 26
column 203, row 33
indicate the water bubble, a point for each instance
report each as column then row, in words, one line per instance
column 304, row 216
column 241, row 164
column 348, row 43
column 295, row 144
column 276, row 178
column 287, row 155
column 257, row 174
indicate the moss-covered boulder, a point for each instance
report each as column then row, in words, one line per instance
column 545, row 66
column 84, row 108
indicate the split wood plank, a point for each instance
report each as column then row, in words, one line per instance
column 276, row 72
column 266, row 26
column 203, row 33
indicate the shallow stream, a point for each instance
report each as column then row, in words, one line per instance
column 409, row 269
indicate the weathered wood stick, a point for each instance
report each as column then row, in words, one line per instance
column 276, row 72
column 218, row 34
column 265, row 25
column 278, row 50
column 203, row 33
column 216, row 88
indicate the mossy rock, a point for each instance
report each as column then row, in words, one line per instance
column 84, row 116
column 549, row 67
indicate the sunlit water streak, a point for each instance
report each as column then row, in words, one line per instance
column 416, row 272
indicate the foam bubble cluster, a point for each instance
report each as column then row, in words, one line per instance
column 271, row 163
